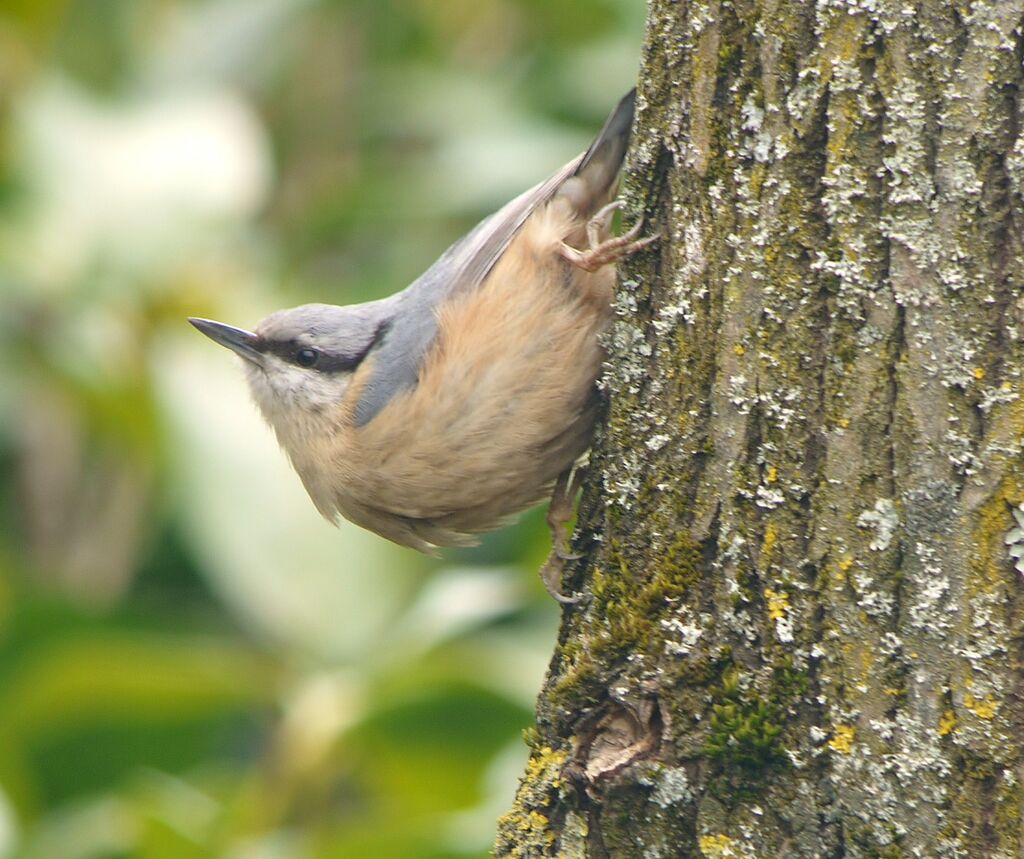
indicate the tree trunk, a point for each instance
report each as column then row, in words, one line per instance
column 803, row 632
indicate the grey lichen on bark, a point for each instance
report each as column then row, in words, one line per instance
column 803, row 634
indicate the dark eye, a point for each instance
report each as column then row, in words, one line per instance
column 307, row 357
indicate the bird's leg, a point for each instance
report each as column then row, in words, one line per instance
column 600, row 253
column 561, row 510
column 601, row 222
column 560, row 513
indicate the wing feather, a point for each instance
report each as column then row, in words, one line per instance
column 412, row 323
column 409, row 316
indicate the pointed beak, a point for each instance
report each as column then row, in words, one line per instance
column 238, row 340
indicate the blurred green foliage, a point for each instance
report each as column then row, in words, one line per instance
column 192, row 663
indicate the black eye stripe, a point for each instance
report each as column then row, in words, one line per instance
column 312, row 358
column 302, row 354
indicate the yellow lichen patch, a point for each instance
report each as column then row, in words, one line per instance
column 839, row 571
column 526, row 830
column 538, row 823
column 739, row 350
column 842, row 738
column 983, row 708
column 843, row 423
column 979, row 373
column 778, row 603
column 947, row 723
column 772, row 475
column 548, row 762
column 771, row 537
column 717, row 846
column 867, row 659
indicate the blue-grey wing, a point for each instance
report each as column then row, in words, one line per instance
column 412, row 320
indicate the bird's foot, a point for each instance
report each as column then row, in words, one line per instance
column 602, row 252
column 551, row 575
column 560, row 512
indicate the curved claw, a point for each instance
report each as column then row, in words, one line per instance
column 601, row 253
column 551, row 575
column 560, row 513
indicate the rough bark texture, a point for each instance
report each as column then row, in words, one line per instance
column 804, row 632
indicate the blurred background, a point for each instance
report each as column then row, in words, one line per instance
column 193, row 663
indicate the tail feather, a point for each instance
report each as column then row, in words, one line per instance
column 593, row 183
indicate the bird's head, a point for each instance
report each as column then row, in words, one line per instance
column 300, row 362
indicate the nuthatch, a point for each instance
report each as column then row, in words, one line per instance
column 442, row 411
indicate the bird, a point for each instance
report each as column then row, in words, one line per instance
column 446, row 409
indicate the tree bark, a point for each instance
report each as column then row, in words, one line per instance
column 803, row 630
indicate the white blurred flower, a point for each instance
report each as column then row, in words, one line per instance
column 133, row 182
